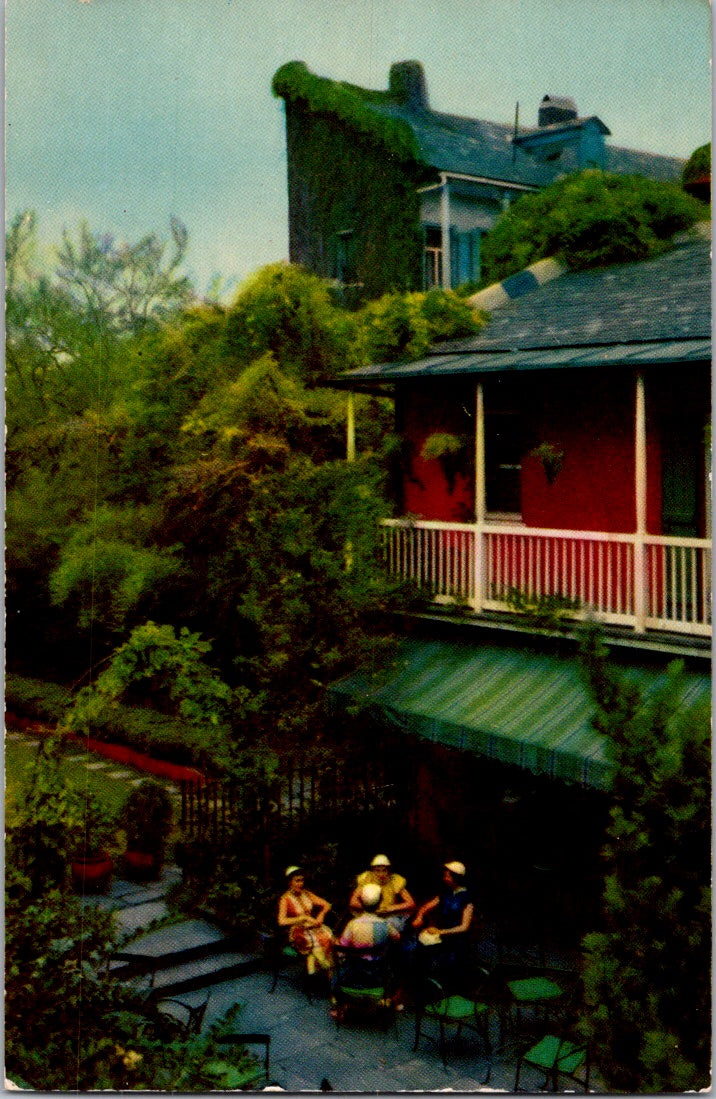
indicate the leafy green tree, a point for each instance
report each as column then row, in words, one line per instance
column 647, row 977
column 698, row 164
column 590, row 219
column 168, row 667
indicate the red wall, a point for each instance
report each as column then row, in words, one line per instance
column 444, row 407
column 587, row 415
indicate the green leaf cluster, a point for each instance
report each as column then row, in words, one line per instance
column 698, row 164
column 646, row 979
column 590, row 219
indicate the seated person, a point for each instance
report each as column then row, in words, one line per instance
column 396, row 904
column 302, row 914
column 447, row 917
column 368, row 935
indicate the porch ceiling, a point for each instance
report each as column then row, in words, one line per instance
column 526, row 708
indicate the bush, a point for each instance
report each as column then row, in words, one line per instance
column 403, row 326
column 590, row 219
column 698, row 165
column 69, row 1026
column 35, row 699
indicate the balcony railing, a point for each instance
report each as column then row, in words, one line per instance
column 647, row 582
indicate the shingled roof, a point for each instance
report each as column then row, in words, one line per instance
column 446, row 142
column 656, row 311
column 473, row 146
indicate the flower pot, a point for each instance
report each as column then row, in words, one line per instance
column 141, row 865
column 91, row 873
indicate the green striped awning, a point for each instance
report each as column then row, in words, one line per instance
column 522, row 707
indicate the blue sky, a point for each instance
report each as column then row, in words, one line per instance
column 124, row 112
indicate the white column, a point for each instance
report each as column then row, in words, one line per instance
column 640, row 564
column 445, row 229
column 479, row 558
column 351, row 428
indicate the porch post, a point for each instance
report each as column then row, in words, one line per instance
column 479, row 553
column 351, row 428
column 445, row 230
column 640, row 563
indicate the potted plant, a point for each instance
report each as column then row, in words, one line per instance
column 92, row 864
column 147, row 822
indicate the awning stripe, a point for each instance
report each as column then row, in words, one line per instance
column 523, row 707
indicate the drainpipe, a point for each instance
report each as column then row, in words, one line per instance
column 640, row 569
column 479, row 553
column 445, row 228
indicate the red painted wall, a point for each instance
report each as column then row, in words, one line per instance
column 588, row 415
column 591, row 419
column 444, row 407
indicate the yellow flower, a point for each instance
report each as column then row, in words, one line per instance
column 119, row 1051
column 131, row 1059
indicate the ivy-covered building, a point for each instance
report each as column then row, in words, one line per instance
column 385, row 193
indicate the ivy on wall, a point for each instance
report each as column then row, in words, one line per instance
column 352, row 170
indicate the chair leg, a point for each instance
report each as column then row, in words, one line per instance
column 442, row 1044
column 418, row 1028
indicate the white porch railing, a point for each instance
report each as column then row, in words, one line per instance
column 652, row 582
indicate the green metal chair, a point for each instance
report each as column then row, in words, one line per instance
column 557, row 1057
column 544, row 993
column 451, row 1011
column 249, row 1074
column 282, row 957
column 372, row 995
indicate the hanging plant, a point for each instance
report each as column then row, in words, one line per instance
column 552, row 459
column 450, row 450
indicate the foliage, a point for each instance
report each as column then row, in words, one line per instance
column 120, row 285
column 170, row 668
column 106, row 570
column 403, row 326
column 646, row 978
column 36, row 698
column 57, row 821
column 552, row 459
column 285, row 310
column 546, row 611
column 589, row 219
column 147, row 818
column 349, row 103
column 698, row 164
column 70, row 1026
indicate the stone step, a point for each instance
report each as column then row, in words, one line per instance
column 203, row 972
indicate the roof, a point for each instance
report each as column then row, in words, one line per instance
column 532, row 709
column 653, row 312
column 474, row 146
column 453, row 143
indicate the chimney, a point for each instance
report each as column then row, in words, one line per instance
column 407, row 84
column 556, row 108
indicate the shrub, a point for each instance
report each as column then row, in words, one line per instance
column 36, row 699
column 590, row 219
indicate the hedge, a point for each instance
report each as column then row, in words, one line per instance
column 146, row 731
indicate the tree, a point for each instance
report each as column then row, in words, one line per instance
column 647, row 976
column 589, row 219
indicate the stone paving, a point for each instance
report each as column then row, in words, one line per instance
column 309, row 1052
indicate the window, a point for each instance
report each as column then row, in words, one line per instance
column 433, row 258
column 345, row 256
column 504, row 447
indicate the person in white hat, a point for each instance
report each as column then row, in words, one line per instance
column 396, row 904
column 302, row 913
column 367, row 937
column 451, row 913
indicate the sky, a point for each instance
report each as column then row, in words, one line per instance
column 124, row 112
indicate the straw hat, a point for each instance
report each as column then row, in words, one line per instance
column 456, row 868
column 380, row 860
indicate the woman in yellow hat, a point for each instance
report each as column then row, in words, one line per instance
column 396, row 904
column 302, row 913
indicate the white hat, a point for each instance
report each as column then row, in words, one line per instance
column 456, row 868
column 380, row 860
column 370, row 895
column 291, row 870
